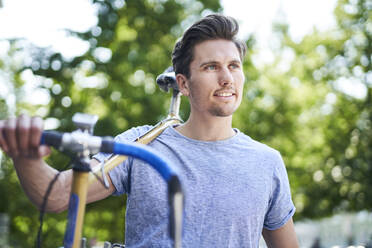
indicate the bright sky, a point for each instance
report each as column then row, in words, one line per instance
column 302, row 15
column 43, row 21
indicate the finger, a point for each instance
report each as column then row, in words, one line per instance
column 3, row 144
column 23, row 133
column 10, row 136
column 36, row 129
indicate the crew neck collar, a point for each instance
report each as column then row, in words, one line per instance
column 224, row 141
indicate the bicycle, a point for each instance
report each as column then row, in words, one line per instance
column 83, row 143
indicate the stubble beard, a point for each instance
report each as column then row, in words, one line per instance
column 221, row 112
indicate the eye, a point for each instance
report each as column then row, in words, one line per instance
column 211, row 67
column 234, row 66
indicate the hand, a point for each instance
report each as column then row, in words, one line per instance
column 20, row 137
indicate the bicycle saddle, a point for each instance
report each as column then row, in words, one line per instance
column 167, row 80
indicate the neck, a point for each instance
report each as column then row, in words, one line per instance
column 207, row 128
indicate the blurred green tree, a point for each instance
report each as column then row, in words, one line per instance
column 115, row 79
column 313, row 103
column 339, row 179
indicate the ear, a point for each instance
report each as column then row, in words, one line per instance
column 183, row 84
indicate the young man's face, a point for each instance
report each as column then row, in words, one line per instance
column 215, row 85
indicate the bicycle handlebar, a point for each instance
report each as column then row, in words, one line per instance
column 79, row 141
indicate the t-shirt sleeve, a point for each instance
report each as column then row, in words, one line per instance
column 121, row 173
column 281, row 207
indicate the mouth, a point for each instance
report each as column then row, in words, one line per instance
column 224, row 94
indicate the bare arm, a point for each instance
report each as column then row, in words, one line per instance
column 20, row 139
column 284, row 237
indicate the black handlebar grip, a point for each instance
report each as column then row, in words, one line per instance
column 51, row 138
column 107, row 145
column 176, row 207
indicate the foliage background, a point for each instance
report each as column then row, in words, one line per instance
column 295, row 104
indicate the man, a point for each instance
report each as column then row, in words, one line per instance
column 236, row 188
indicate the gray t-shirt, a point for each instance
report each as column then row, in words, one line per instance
column 233, row 188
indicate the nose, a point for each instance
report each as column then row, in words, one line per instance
column 225, row 77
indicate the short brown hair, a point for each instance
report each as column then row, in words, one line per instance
column 211, row 27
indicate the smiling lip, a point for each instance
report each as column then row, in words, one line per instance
column 224, row 94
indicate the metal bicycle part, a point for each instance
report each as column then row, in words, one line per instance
column 81, row 169
column 167, row 80
column 109, row 245
column 85, row 122
column 174, row 107
column 172, row 119
column 104, row 176
column 149, row 136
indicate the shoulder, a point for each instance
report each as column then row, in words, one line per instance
column 260, row 150
column 133, row 133
column 254, row 144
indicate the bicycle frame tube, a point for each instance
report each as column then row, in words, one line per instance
column 76, row 209
column 172, row 119
column 149, row 136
